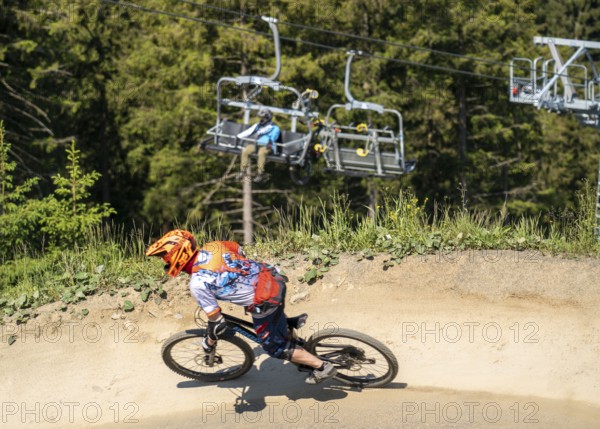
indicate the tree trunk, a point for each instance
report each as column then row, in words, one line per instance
column 247, row 207
column 104, row 147
column 247, row 220
column 373, row 201
column 462, row 132
column 462, row 121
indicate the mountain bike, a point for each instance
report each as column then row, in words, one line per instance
column 360, row 360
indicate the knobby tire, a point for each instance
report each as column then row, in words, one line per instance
column 193, row 355
column 328, row 345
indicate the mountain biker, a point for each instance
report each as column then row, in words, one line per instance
column 266, row 134
column 220, row 270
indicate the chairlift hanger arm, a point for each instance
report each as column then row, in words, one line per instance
column 276, row 40
column 352, row 102
column 273, row 26
column 400, row 120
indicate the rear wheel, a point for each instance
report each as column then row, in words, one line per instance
column 183, row 353
column 359, row 359
column 300, row 175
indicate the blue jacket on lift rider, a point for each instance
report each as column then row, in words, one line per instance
column 266, row 134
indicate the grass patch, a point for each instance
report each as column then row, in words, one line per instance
column 111, row 258
column 108, row 259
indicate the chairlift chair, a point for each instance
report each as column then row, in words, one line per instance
column 526, row 80
column 579, row 95
column 569, row 87
column 381, row 150
column 293, row 144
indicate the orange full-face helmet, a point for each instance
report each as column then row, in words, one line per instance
column 176, row 248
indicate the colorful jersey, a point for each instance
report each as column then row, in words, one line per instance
column 221, row 271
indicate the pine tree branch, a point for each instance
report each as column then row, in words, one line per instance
column 33, row 118
column 515, row 191
column 271, row 191
column 220, row 184
column 13, row 93
column 506, row 162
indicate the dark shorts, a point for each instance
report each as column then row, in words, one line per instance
column 270, row 324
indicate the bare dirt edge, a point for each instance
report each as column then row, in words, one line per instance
column 512, row 324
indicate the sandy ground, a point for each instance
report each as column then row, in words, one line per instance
column 496, row 339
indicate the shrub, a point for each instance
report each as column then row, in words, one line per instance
column 59, row 220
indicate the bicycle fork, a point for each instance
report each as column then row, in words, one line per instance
column 210, row 359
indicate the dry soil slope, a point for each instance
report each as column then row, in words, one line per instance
column 514, row 329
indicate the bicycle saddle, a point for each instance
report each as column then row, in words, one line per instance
column 298, row 321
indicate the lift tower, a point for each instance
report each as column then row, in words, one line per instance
column 570, row 86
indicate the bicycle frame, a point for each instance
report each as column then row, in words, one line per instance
column 238, row 325
column 246, row 328
column 348, row 350
column 243, row 327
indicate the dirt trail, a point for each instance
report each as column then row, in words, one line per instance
column 501, row 339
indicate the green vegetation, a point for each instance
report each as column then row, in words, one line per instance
column 108, row 258
column 103, row 107
column 137, row 90
column 58, row 220
column 403, row 227
column 104, row 261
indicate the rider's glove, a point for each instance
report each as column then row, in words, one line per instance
column 216, row 328
column 207, row 347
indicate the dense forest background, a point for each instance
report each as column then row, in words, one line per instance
column 136, row 91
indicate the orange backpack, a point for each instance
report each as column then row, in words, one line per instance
column 268, row 288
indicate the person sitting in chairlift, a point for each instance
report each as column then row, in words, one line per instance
column 266, row 134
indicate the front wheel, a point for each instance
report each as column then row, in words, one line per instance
column 359, row 359
column 183, row 353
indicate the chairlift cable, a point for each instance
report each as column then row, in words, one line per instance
column 376, row 40
column 349, row 35
column 220, row 9
column 297, row 40
column 177, row 15
column 418, row 48
column 338, row 33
